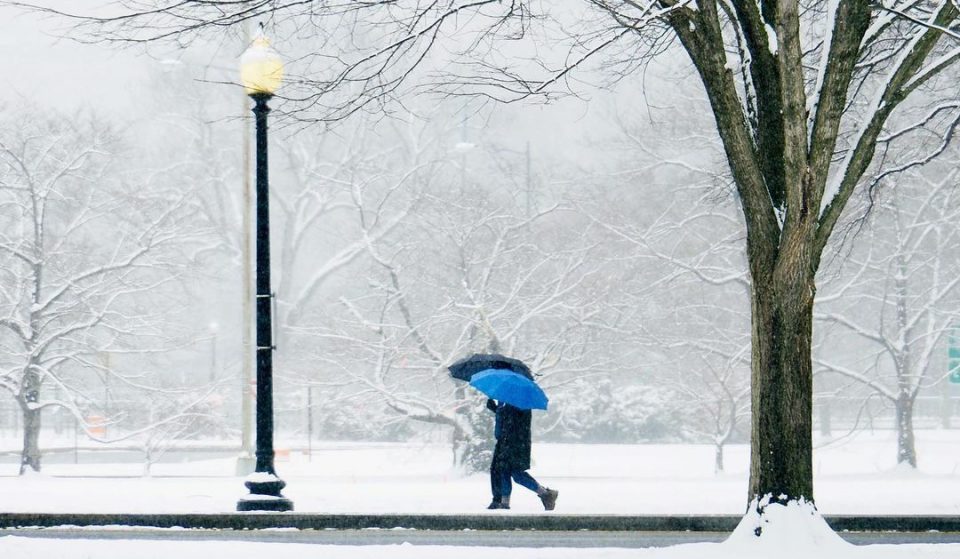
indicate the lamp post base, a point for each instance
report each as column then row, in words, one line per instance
column 265, row 496
column 259, row 503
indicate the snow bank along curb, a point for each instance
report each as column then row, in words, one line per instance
column 546, row 522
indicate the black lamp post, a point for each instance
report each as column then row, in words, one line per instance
column 261, row 72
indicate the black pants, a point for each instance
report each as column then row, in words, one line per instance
column 501, row 486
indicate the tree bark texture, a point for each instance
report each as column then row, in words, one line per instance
column 30, row 458
column 781, row 457
column 30, row 395
column 904, row 363
column 906, row 445
column 718, row 457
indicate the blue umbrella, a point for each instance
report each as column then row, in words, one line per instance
column 507, row 386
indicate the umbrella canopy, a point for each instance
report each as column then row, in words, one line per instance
column 464, row 369
column 508, row 386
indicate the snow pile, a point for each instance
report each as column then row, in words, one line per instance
column 794, row 529
column 261, row 477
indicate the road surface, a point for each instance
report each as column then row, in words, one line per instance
column 466, row 538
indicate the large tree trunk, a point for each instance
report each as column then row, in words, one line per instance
column 30, row 457
column 781, row 461
column 906, row 448
column 28, row 399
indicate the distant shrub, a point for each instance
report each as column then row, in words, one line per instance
column 597, row 411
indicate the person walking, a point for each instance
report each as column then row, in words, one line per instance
column 511, row 457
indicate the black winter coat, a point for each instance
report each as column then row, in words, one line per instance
column 512, row 452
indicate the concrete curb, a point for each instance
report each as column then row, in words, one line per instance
column 542, row 522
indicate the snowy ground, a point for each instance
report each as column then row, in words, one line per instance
column 853, row 476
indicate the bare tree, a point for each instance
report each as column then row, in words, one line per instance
column 80, row 249
column 446, row 271
column 685, row 238
column 898, row 297
column 173, row 417
column 697, row 283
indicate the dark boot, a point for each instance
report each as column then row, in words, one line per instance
column 505, row 502
column 494, row 504
column 548, row 497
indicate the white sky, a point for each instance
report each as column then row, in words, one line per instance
column 56, row 72
column 60, row 73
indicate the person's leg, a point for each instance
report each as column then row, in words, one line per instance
column 495, row 487
column 523, row 478
column 496, row 484
column 547, row 496
column 506, row 488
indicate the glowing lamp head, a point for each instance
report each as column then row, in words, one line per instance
column 261, row 69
